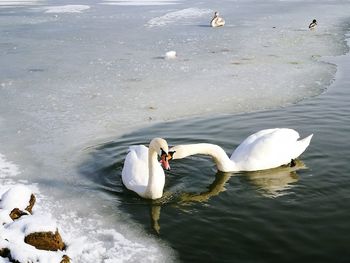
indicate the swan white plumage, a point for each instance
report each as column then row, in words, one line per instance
column 262, row 150
column 217, row 21
column 142, row 172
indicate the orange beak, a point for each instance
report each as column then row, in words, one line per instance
column 164, row 161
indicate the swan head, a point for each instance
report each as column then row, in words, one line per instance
column 314, row 21
column 216, row 13
column 160, row 146
column 164, row 160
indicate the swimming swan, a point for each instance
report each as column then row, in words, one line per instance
column 142, row 172
column 217, row 21
column 265, row 149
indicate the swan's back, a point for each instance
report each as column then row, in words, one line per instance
column 269, row 148
column 135, row 169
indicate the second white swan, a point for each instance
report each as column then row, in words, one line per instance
column 217, row 21
column 262, row 150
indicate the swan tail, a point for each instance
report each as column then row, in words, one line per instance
column 302, row 145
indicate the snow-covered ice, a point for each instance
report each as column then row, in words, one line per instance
column 140, row 2
column 184, row 16
column 5, row 3
column 66, row 9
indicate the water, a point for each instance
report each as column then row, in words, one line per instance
column 279, row 215
column 79, row 84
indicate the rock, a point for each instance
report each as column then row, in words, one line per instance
column 45, row 241
column 4, row 252
column 17, row 213
column 31, row 203
column 65, row 259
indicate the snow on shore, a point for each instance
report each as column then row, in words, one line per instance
column 86, row 239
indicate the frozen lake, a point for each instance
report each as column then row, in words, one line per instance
column 75, row 76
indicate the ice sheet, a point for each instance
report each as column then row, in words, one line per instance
column 7, row 169
column 66, row 9
column 5, row 3
column 180, row 16
column 139, row 2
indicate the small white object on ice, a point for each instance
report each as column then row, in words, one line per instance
column 170, row 54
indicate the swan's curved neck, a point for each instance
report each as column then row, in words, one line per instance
column 219, row 156
column 152, row 163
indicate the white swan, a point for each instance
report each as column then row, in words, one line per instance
column 142, row 172
column 217, row 21
column 265, row 149
column 313, row 24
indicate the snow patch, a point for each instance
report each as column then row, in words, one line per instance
column 38, row 223
column 4, row 3
column 178, row 16
column 66, row 9
column 16, row 197
column 86, row 239
column 139, row 2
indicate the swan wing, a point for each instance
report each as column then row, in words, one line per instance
column 135, row 169
column 220, row 21
column 267, row 149
column 217, row 22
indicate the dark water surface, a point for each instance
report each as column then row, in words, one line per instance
column 280, row 215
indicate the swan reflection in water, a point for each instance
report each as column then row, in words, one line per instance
column 271, row 183
column 275, row 182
